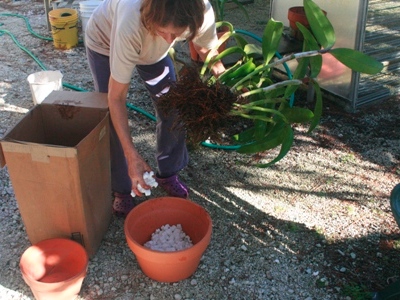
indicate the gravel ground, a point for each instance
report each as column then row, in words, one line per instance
column 317, row 225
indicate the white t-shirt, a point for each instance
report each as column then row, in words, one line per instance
column 115, row 30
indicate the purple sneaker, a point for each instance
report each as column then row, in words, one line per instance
column 173, row 186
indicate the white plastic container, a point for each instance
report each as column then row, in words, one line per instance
column 86, row 9
column 43, row 83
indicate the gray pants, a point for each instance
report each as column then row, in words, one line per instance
column 171, row 152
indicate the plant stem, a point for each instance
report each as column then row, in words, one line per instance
column 280, row 62
column 273, row 87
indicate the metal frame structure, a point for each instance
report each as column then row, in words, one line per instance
column 368, row 26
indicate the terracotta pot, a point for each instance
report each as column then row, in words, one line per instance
column 150, row 215
column 297, row 14
column 54, row 269
column 195, row 56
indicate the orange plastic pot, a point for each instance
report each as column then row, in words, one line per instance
column 150, row 215
column 54, row 269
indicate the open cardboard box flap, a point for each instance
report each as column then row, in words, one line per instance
column 82, row 99
column 67, row 98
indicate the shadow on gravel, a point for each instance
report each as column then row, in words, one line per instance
column 372, row 132
column 253, row 253
column 369, row 262
column 250, row 245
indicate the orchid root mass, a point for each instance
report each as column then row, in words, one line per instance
column 203, row 109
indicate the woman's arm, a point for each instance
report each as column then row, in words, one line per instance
column 117, row 105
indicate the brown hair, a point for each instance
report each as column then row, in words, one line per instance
column 178, row 13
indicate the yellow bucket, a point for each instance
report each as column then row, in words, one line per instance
column 64, row 27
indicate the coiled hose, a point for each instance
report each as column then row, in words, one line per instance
column 129, row 105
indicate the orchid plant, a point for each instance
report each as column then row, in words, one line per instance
column 248, row 91
column 268, row 103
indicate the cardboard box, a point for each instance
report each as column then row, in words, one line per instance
column 59, row 164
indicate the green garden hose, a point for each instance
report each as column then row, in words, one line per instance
column 27, row 25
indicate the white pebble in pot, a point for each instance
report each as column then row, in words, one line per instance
column 169, row 238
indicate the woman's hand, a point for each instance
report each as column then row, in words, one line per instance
column 137, row 166
column 218, row 67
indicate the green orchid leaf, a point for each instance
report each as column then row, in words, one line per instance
column 230, row 51
column 279, row 92
column 320, row 25
column 250, row 84
column 290, row 90
column 249, row 135
column 357, row 60
column 297, row 114
column 247, row 85
column 285, row 148
column 260, row 129
column 232, row 82
column 263, row 128
column 264, row 110
column 270, row 141
column 299, row 73
column 284, row 105
column 271, row 39
column 318, row 107
column 243, row 70
column 253, row 117
column 266, row 101
column 253, row 92
column 252, row 49
column 240, row 40
column 245, row 136
column 224, row 24
column 222, row 78
column 263, row 81
column 310, row 43
column 315, row 65
column 224, row 38
column 220, row 56
column 273, row 90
